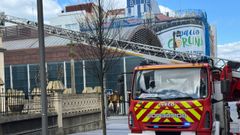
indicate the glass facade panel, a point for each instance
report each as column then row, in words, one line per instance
column 131, row 63
column 115, row 69
column 19, row 73
column 92, row 68
column 55, row 71
column 78, row 75
column 34, row 76
column 7, row 78
column 68, row 74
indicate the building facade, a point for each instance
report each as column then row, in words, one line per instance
column 22, row 62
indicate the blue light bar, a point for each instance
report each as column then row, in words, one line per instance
column 155, row 126
column 186, row 124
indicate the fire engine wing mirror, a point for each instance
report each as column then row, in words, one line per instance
column 225, row 87
column 213, row 100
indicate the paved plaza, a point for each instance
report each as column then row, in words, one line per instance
column 116, row 125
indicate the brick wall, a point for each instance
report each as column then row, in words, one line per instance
column 31, row 56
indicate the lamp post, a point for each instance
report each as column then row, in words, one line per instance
column 42, row 68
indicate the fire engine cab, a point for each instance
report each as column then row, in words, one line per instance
column 184, row 99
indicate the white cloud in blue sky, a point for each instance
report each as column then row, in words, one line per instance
column 229, row 51
column 27, row 9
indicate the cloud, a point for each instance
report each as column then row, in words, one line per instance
column 115, row 4
column 28, row 8
column 229, row 51
column 165, row 10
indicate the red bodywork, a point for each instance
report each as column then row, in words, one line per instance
column 199, row 111
column 234, row 93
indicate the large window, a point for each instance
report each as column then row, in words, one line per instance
column 7, row 78
column 170, row 84
column 19, row 74
column 131, row 63
column 34, row 76
column 115, row 69
column 78, row 75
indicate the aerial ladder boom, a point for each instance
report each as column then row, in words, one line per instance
column 149, row 52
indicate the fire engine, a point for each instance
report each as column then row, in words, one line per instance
column 187, row 94
column 183, row 99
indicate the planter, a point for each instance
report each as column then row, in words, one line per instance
column 16, row 108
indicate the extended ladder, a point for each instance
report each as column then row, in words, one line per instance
column 153, row 53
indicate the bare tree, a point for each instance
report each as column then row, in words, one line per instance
column 103, row 31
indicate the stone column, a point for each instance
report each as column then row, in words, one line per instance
column 2, row 76
column 58, row 106
column 73, row 84
column 58, row 88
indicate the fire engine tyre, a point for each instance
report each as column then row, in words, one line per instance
column 216, row 128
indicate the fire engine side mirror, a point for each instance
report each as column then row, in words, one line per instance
column 225, row 86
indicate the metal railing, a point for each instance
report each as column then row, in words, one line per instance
column 16, row 102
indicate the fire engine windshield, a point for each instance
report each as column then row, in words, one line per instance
column 170, row 84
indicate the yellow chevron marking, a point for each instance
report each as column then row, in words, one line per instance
column 135, row 109
column 157, row 106
column 201, row 108
column 197, row 103
column 138, row 105
column 189, row 119
column 167, row 120
column 176, row 106
column 176, row 119
column 141, row 113
column 147, row 118
column 195, row 114
column 148, row 105
column 156, row 119
column 185, row 104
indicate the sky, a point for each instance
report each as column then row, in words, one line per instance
column 225, row 15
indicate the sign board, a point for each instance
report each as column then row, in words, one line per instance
column 188, row 38
column 234, row 116
column 109, row 92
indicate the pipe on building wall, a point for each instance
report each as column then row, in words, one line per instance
column 28, row 78
column 65, row 74
column 84, row 74
column 11, row 78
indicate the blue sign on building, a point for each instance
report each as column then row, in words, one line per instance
column 138, row 8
